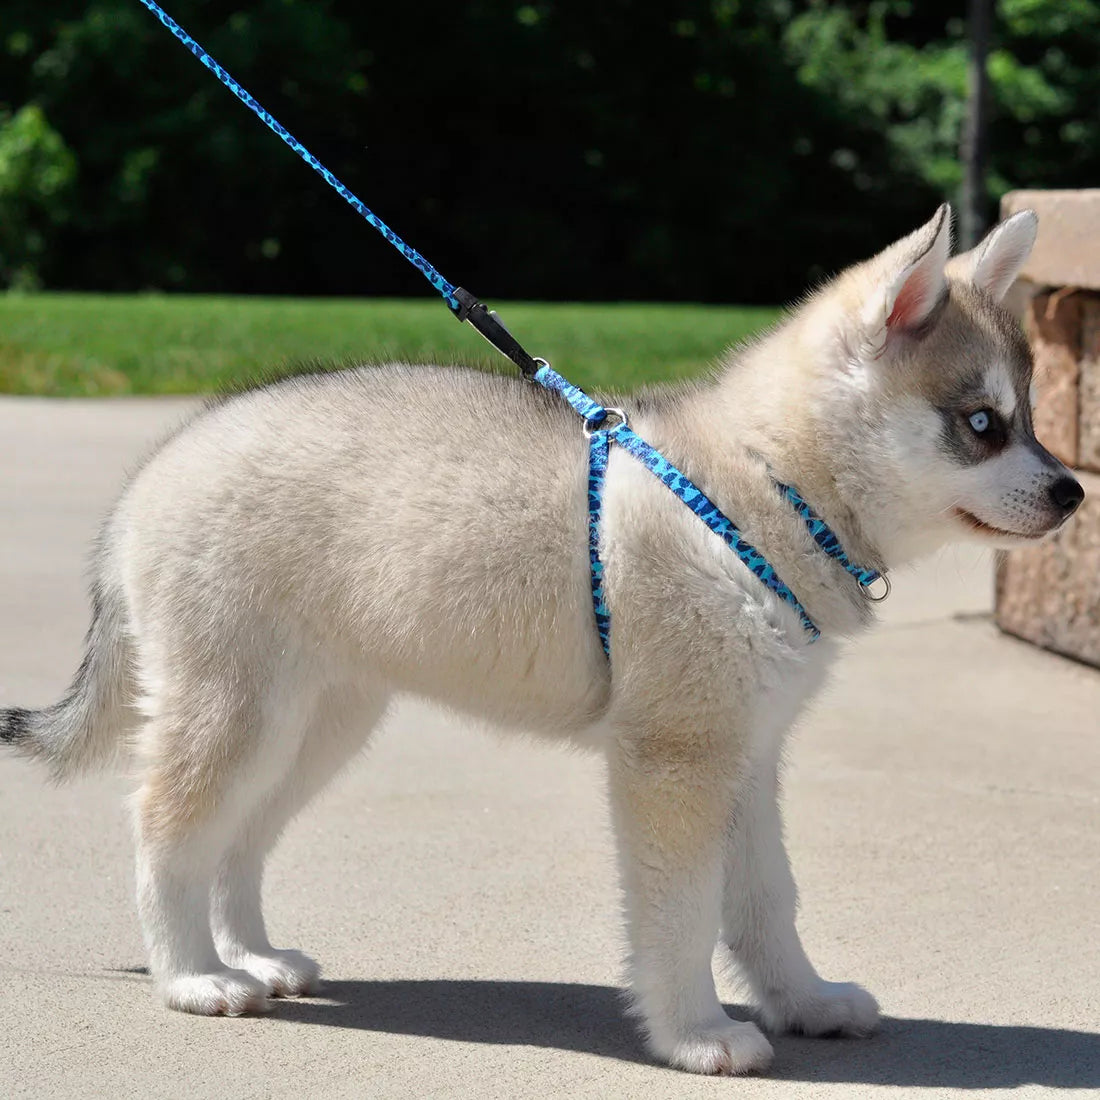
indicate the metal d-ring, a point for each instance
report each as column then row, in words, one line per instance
column 873, row 597
column 591, row 426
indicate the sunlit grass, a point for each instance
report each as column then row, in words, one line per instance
column 88, row 345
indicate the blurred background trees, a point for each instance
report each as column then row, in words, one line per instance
column 711, row 150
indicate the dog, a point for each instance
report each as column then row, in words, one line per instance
column 298, row 555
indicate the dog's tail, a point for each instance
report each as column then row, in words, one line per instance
column 83, row 730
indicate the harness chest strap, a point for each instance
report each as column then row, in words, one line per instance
column 600, row 439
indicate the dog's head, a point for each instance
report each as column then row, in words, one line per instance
column 941, row 376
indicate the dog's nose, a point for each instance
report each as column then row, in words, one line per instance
column 1067, row 493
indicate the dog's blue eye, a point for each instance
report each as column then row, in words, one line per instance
column 980, row 421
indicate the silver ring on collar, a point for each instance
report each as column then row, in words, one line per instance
column 876, row 596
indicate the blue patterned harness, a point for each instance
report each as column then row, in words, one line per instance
column 466, row 307
column 600, row 439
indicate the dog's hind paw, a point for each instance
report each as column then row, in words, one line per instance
column 224, row 993
column 829, row 1008
column 727, row 1049
column 285, row 973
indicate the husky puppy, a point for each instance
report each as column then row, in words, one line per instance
column 299, row 555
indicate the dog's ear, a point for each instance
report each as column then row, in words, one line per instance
column 993, row 265
column 909, row 283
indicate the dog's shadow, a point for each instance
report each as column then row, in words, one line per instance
column 589, row 1019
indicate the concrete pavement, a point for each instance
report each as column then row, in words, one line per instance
column 943, row 815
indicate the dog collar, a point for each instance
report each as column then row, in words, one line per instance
column 604, row 426
column 826, row 538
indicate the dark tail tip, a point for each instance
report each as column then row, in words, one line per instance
column 15, row 725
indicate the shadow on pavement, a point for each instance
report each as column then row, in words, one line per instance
column 589, row 1019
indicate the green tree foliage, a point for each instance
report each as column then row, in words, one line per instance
column 179, row 187
column 723, row 150
column 909, row 74
column 36, row 175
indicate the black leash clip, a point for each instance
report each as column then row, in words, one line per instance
column 489, row 324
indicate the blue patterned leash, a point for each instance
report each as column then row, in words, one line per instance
column 466, row 307
column 462, row 303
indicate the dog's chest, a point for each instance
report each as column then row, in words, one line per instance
column 785, row 688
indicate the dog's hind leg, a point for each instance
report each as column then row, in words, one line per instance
column 220, row 740
column 339, row 727
column 184, row 821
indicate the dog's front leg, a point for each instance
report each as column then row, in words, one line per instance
column 671, row 795
column 758, row 924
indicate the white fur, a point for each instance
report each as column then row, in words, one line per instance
column 992, row 267
column 298, row 555
column 1002, row 395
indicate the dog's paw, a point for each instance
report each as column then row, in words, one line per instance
column 727, row 1049
column 284, row 973
column 829, row 1008
column 225, row 993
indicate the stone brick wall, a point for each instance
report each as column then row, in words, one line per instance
column 1088, row 387
column 1050, row 594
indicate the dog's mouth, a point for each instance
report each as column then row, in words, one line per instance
column 984, row 528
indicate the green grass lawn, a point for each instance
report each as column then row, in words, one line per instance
column 86, row 344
